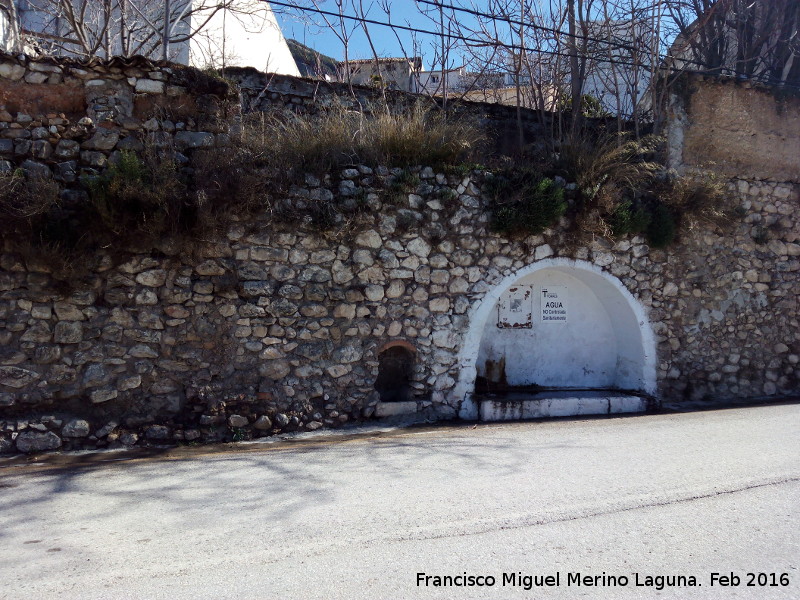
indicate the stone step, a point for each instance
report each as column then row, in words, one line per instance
column 395, row 409
column 567, row 403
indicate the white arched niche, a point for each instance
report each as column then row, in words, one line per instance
column 606, row 342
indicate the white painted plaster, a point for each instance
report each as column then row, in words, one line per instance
column 248, row 35
column 9, row 34
column 676, row 132
column 608, row 332
column 579, row 352
column 568, row 406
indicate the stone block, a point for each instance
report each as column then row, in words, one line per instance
column 369, row 239
column 11, row 71
column 15, row 377
column 68, row 312
column 374, row 292
column 152, row 278
column 193, row 139
column 439, row 305
column 36, row 169
column 237, row 421
column 419, row 247
column 274, row 369
column 103, row 139
column 149, row 86
column 544, row 251
column 129, row 382
column 95, row 376
column 34, row 441
column 347, row 354
column 394, row 409
column 76, row 428
column 263, row 423
column 42, row 149
column 68, row 332
column 39, row 333
column 157, row 432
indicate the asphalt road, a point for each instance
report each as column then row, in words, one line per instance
column 684, row 495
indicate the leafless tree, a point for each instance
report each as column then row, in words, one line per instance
column 152, row 28
column 606, row 54
column 747, row 38
column 338, row 24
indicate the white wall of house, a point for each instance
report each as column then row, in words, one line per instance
column 247, row 34
column 618, row 74
column 8, row 32
column 394, row 73
column 243, row 40
column 435, row 82
column 618, row 88
column 458, row 81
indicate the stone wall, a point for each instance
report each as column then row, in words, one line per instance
column 63, row 118
column 268, row 93
column 735, row 128
column 279, row 327
column 750, row 134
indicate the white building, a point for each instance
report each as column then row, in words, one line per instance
column 9, row 34
column 203, row 34
column 245, row 39
column 392, row 73
column 458, row 81
column 618, row 72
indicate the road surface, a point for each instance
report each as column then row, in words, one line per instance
column 637, row 507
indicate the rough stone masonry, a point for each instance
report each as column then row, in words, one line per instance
column 278, row 327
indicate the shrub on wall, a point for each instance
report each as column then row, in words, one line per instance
column 139, row 200
column 626, row 191
column 23, row 198
column 421, row 136
column 698, row 199
column 662, row 226
column 672, row 202
column 34, row 222
column 524, row 202
column 609, row 168
column 138, row 196
column 627, row 219
column 144, row 197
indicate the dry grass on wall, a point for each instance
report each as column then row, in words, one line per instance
column 338, row 137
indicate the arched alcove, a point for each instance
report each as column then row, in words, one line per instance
column 576, row 327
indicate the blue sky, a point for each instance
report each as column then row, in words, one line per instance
column 313, row 32
column 404, row 12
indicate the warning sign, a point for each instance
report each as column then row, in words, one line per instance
column 554, row 304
